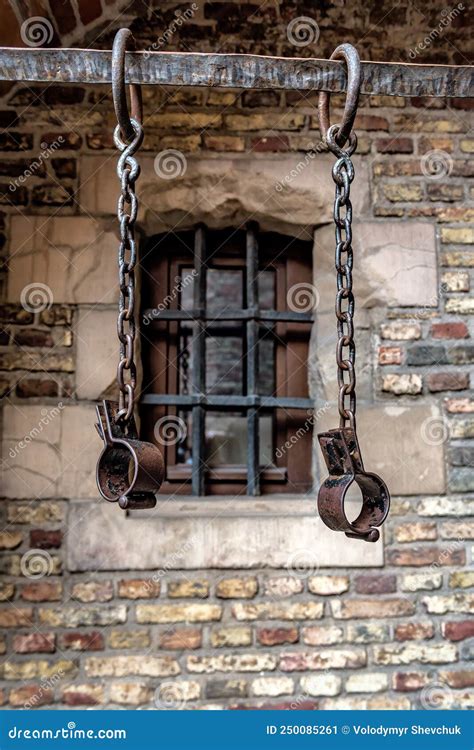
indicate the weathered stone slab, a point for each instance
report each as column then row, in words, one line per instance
column 96, row 350
column 401, row 443
column 282, row 193
column 394, row 264
column 176, row 537
column 49, row 451
column 75, row 256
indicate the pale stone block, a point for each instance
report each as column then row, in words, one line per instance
column 175, row 537
column 75, row 256
column 80, row 448
column 96, row 351
column 395, row 443
column 225, row 190
column 31, row 460
column 394, row 264
column 50, row 451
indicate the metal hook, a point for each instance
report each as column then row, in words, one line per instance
column 123, row 38
column 350, row 56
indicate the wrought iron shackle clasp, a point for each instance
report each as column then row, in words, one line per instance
column 341, row 452
column 129, row 470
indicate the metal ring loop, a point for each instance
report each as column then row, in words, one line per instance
column 350, row 56
column 122, row 38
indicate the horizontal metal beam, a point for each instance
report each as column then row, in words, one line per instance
column 227, row 402
column 284, row 316
column 234, row 71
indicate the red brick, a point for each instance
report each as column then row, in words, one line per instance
column 181, row 639
column 89, row 11
column 447, row 381
column 64, row 15
column 33, row 337
column 31, row 695
column 16, row 618
column 271, row 143
column 458, row 631
column 34, row 643
column 405, row 682
column 42, row 591
column 449, row 331
column 296, row 705
column 79, row 698
column 376, row 584
column 370, row 122
column 36, row 388
column 390, row 355
column 460, row 680
column 93, row 641
column 43, row 539
column 394, row 145
column 420, row 556
column 414, row 631
column 277, row 636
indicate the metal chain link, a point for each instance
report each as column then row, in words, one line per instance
column 128, row 171
column 343, row 174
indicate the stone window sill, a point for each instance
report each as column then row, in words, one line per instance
column 186, row 533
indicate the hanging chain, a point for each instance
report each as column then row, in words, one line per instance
column 128, row 170
column 343, row 174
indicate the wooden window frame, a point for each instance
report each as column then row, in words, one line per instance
column 163, row 258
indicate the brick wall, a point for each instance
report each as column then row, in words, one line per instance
column 396, row 638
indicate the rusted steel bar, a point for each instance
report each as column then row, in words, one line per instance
column 234, row 71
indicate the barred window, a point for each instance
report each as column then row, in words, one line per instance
column 225, row 340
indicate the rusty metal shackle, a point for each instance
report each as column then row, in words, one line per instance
column 124, row 38
column 129, row 470
column 350, row 56
column 341, row 452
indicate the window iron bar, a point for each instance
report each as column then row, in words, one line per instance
column 227, row 402
column 234, row 71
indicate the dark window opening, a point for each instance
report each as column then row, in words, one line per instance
column 224, row 351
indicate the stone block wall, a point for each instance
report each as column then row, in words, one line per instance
column 288, row 627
